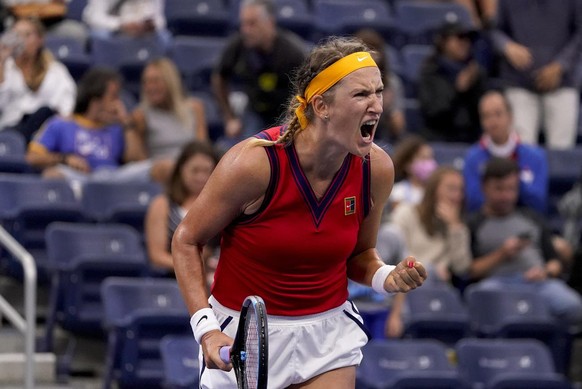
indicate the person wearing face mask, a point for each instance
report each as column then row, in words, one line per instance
column 413, row 164
column 501, row 140
column 434, row 231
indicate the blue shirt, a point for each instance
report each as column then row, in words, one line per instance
column 101, row 147
column 533, row 180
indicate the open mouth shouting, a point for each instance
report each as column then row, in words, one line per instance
column 367, row 130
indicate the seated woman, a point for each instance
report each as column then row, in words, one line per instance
column 191, row 171
column 33, row 85
column 413, row 163
column 166, row 119
column 434, row 231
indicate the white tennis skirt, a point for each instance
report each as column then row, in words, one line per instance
column 300, row 347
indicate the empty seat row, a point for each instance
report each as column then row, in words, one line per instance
column 478, row 364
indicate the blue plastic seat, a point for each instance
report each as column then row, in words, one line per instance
column 180, row 358
column 71, row 52
column 406, row 363
column 28, row 205
column 417, row 21
column 139, row 312
column 450, row 153
column 83, row 255
column 119, row 202
column 296, row 16
column 437, row 312
column 127, row 54
column 195, row 57
column 12, row 152
column 343, row 17
column 197, row 17
column 508, row 364
column 517, row 313
column 412, row 58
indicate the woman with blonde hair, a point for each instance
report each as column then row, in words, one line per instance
column 33, row 85
column 165, row 119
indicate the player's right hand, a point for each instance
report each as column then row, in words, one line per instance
column 211, row 342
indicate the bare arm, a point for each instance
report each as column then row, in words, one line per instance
column 156, row 232
column 221, row 91
column 201, row 129
column 365, row 262
column 238, row 182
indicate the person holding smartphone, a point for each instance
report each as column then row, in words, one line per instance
column 33, row 84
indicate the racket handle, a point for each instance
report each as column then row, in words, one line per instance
column 225, row 354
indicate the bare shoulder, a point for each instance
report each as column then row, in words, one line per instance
column 243, row 173
column 382, row 166
column 159, row 205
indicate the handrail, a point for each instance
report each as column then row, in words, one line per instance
column 26, row 326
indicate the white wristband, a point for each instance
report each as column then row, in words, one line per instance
column 379, row 278
column 203, row 321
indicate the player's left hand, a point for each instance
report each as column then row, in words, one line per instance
column 409, row 274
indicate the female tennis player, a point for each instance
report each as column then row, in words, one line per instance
column 299, row 208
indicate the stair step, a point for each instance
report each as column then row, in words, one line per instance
column 12, row 367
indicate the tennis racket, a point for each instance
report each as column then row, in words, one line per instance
column 249, row 354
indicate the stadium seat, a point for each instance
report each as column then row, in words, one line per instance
column 213, row 114
column 129, row 55
column 296, row 16
column 417, row 21
column 28, row 204
column 508, row 364
column 139, row 312
column 12, row 152
column 517, row 313
column 71, row 52
column 195, row 57
column 197, row 17
column 127, row 203
column 437, row 312
column 343, row 17
column 564, row 170
column 83, row 255
column 414, row 119
column 406, row 363
column 75, row 9
column 180, row 358
column 412, row 59
column 450, row 153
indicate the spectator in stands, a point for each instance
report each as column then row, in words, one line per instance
column 500, row 139
column 512, row 248
column 482, row 11
column 52, row 14
column 92, row 144
column 33, row 85
column 541, row 42
column 262, row 57
column 451, row 83
column 166, row 118
column 413, row 164
column 392, row 122
column 434, row 230
column 133, row 18
column 189, row 175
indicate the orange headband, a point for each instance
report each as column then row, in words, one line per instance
column 330, row 76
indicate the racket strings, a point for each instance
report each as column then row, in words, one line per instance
column 252, row 350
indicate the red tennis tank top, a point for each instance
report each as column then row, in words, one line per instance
column 293, row 251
